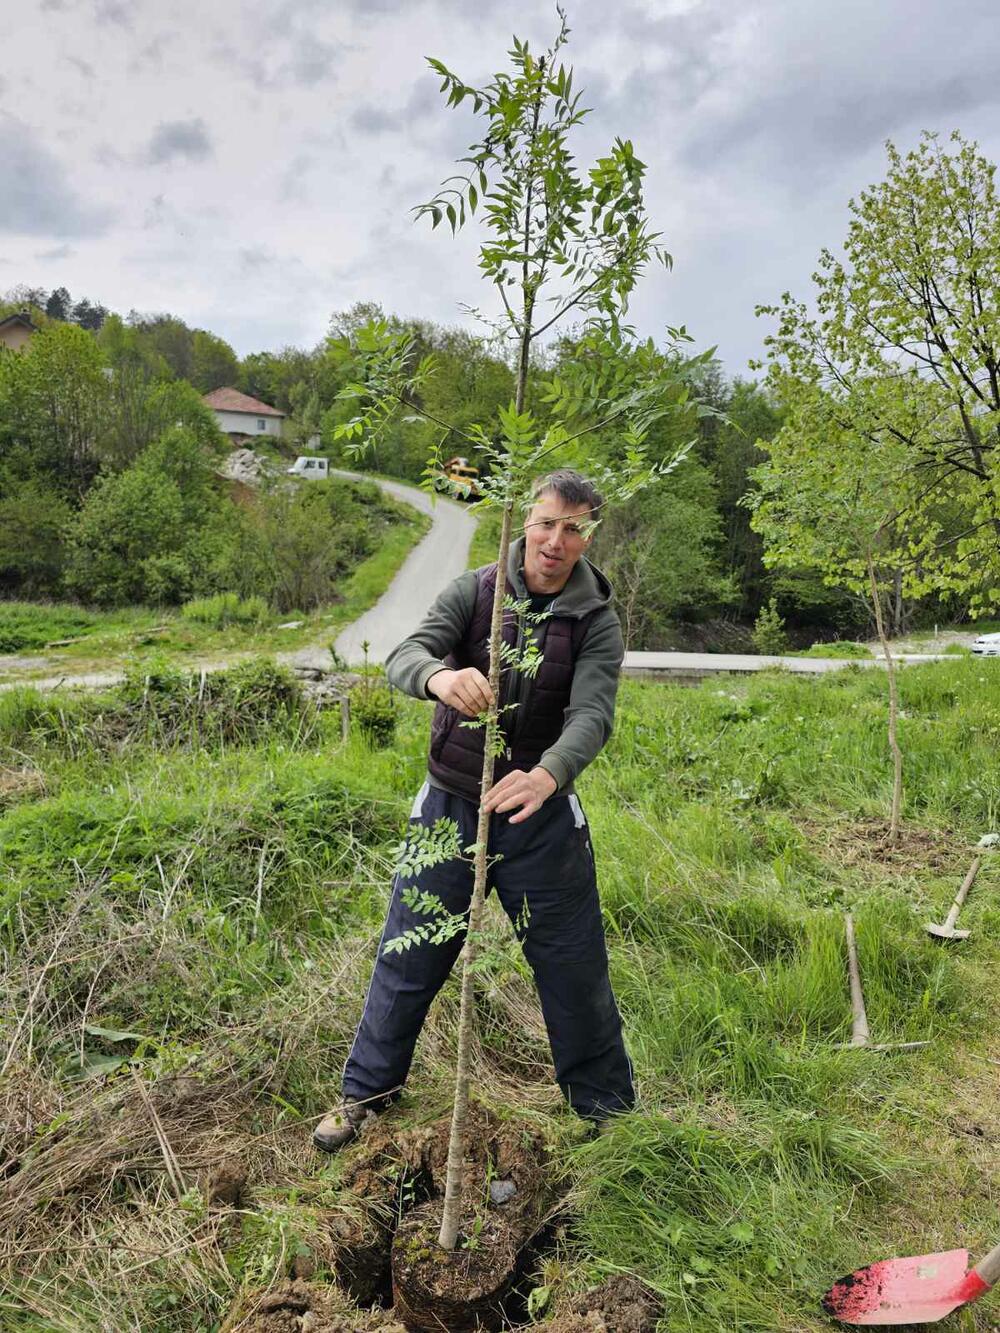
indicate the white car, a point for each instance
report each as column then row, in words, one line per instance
column 987, row 645
column 311, row 467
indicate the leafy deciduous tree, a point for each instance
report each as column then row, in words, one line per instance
column 832, row 501
column 906, row 344
column 54, row 404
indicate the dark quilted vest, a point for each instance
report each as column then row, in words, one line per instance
column 456, row 757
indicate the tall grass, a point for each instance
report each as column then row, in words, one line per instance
column 207, row 912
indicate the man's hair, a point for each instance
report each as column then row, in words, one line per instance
column 571, row 488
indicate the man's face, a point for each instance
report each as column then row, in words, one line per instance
column 553, row 542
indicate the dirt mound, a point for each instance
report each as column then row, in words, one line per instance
column 225, row 1183
column 620, row 1305
column 501, row 1153
column 505, row 1195
column 462, row 1290
column 299, row 1307
column 383, row 1177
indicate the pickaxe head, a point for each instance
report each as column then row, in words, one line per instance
column 946, row 932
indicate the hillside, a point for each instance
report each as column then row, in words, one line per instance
column 191, row 890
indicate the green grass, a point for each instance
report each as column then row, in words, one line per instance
column 219, row 900
column 839, row 648
column 29, row 626
column 485, row 540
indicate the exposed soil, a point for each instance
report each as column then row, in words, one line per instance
column 859, row 841
column 620, row 1305
column 499, row 1150
column 300, row 1307
column 461, row 1290
column 393, row 1185
column 225, row 1183
column 380, row 1243
column 383, row 1176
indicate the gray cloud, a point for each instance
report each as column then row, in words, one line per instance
column 83, row 67
column 37, row 198
column 794, row 92
column 307, row 59
column 178, row 139
column 113, row 12
column 311, row 60
column 801, row 131
column 150, row 56
column 57, row 252
column 254, row 258
column 226, row 56
column 374, row 118
column 292, row 181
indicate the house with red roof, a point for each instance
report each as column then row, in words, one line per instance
column 239, row 415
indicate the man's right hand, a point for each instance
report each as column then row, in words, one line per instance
column 467, row 690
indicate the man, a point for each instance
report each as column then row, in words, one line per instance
column 544, row 876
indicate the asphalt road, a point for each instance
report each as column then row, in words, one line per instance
column 431, row 565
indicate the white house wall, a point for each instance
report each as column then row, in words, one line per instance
column 246, row 423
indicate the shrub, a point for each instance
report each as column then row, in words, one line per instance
column 226, row 608
column 145, row 534
column 374, row 711
column 769, row 637
column 373, row 708
column 839, row 648
column 294, row 546
column 240, row 705
column 32, row 520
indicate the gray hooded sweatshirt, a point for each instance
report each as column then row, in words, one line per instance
column 590, row 714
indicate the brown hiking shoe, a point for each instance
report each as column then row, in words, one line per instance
column 340, row 1126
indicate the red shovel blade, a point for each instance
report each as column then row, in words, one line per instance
column 905, row 1291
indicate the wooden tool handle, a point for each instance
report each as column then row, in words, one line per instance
column 963, row 893
column 860, row 1031
column 988, row 1269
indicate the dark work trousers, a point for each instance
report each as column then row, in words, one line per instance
column 546, row 867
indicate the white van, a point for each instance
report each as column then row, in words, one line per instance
column 310, row 467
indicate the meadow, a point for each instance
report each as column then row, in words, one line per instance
column 191, row 889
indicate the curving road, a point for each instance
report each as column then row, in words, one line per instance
column 427, row 570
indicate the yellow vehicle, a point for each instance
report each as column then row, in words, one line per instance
column 460, row 478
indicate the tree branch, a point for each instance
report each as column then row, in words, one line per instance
column 422, row 411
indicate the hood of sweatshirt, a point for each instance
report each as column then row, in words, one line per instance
column 585, row 590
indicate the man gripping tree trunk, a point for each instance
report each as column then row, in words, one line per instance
column 544, row 877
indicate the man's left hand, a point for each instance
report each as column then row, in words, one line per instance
column 527, row 790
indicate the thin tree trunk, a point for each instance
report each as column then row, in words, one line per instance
column 451, row 1215
column 897, row 754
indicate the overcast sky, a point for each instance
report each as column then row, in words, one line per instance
column 250, row 166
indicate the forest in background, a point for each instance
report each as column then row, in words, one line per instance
column 109, row 495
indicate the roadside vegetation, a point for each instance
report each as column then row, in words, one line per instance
column 80, row 639
column 192, row 884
